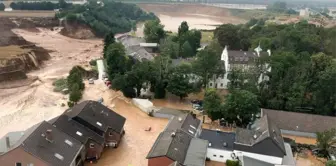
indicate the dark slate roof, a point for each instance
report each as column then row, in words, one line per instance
column 262, row 129
column 71, row 127
column 306, row 122
column 218, row 138
column 93, row 112
column 241, row 57
column 35, row 143
column 196, row 154
column 172, row 144
column 186, row 122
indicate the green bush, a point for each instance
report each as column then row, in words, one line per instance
column 93, row 62
column 60, row 84
column 232, row 163
column 70, row 104
column 2, row 7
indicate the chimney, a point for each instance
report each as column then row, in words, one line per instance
column 7, row 142
column 49, row 136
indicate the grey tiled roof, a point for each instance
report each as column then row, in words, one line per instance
column 196, row 154
column 241, row 57
column 185, row 122
column 262, row 129
column 172, row 144
column 218, row 139
column 306, row 122
column 71, row 127
column 97, row 115
column 34, row 142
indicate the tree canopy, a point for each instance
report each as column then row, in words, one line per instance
column 212, row 104
column 2, row 7
column 325, row 140
column 113, row 16
column 153, row 31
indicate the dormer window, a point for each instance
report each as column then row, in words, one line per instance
column 99, row 124
column 60, row 157
column 79, row 133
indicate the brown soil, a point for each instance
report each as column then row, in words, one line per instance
column 220, row 14
column 77, row 30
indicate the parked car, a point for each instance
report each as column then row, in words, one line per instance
column 199, row 102
column 91, row 81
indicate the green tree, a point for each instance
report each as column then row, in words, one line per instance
column 116, row 60
column 186, row 50
column 169, row 47
column 183, row 29
column 62, row 4
column 108, row 40
column 154, row 31
column 75, row 93
column 331, row 163
column 325, row 140
column 227, row 35
column 212, row 104
column 241, row 106
column 207, row 65
column 75, row 77
column 179, row 81
column 2, row 7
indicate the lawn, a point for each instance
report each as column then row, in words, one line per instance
column 207, row 36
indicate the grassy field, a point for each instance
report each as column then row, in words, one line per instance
column 248, row 14
column 11, row 51
column 25, row 13
column 207, row 36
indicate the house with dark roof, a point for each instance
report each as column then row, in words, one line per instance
column 179, row 148
column 299, row 124
column 100, row 119
column 220, row 147
column 262, row 143
column 234, row 59
column 94, row 144
column 44, row 145
column 186, row 122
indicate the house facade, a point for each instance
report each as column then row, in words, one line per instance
column 44, row 145
column 93, row 143
column 100, row 119
column 243, row 60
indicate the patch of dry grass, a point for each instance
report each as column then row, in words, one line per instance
column 11, row 51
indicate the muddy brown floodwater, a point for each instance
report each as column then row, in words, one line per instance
column 22, row 107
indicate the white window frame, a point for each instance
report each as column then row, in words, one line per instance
column 99, row 124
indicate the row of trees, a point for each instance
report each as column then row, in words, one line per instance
column 34, row 5
column 75, row 85
column 183, row 44
column 111, row 16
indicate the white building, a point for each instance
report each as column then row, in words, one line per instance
column 304, row 13
column 261, row 144
column 237, row 59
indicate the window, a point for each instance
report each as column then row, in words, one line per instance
column 221, row 156
column 60, row 157
column 99, row 124
column 110, row 134
column 215, row 155
column 79, row 133
column 68, row 142
column 18, row 164
column 193, row 127
column 221, row 84
column 91, row 145
column 210, row 84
